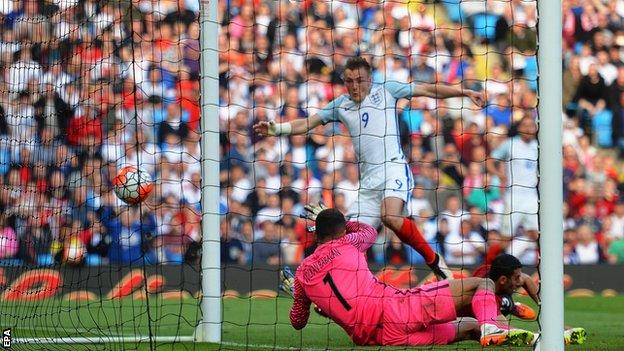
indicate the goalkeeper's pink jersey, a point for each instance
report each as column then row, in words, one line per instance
column 337, row 279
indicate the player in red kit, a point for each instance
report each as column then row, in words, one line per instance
column 336, row 278
column 506, row 273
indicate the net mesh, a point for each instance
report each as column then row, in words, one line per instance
column 466, row 175
column 87, row 88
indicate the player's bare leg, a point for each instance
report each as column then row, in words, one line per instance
column 406, row 230
column 467, row 329
column 479, row 294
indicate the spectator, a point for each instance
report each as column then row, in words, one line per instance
column 9, row 244
column 453, row 214
column 173, row 124
column 154, row 85
column 271, row 212
column 395, row 252
column 520, row 176
column 484, row 197
column 570, row 238
column 291, row 249
column 607, row 70
column 587, row 249
column 273, row 180
column 452, row 167
column 231, row 247
column 307, row 183
column 350, row 185
column 286, row 189
column 591, row 97
column 266, row 249
column 241, row 183
column 617, row 222
column 616, row 252
column 571, row 78
column 441, row 234
column 500, row 112
column 23, row 71
column 588, row 217
column 524, row 247
column 126, row 239
column 419, row 202
column 477, row 220
column 281, row 26
column 474, row 180
column 465, row 247
column 161, row 253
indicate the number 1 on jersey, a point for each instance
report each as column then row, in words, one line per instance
column 329, row 280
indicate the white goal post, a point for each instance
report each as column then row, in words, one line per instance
column 209, row 329
column 550, row 175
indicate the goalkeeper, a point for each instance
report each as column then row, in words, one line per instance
column 336, row 278
column 369, row 113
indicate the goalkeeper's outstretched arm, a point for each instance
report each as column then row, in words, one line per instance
column 300, row 311
column 298, row 126
column 361, row 235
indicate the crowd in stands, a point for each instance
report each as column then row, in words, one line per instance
column 293, row 68
column 88, row 86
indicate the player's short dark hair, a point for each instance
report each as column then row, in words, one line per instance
column 357, row 62
column 329, row 222
column 504, row 265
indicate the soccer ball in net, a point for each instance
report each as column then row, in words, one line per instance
column 132, row 185
column 74, row 252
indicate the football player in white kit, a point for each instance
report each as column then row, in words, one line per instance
column 520, row 155
column 386, row 182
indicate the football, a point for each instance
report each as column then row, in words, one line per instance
column 74, row 252
column 132, row 185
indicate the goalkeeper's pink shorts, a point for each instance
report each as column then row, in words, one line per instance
column 420, row 316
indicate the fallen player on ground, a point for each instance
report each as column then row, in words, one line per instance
column 336, row 278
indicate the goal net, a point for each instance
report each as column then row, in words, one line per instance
column 86, row 88
column 466, row 175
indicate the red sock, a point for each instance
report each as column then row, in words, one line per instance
column 410, row 235
column 494, row 251
column 484, row 306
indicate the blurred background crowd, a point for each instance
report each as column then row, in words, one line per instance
column 285, row 62
column 88, row 86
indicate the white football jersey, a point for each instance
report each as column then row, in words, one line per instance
column 521, row 160
column 373, row 124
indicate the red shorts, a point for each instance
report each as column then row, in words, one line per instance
column 420, row 316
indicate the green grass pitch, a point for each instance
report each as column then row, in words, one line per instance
column 249, row 324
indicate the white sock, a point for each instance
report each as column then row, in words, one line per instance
column 487, row 329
